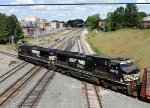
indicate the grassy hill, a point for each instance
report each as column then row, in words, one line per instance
column 131, row 43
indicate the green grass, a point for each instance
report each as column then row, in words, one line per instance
column 131, row 43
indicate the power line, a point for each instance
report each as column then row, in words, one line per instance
column 68, row 4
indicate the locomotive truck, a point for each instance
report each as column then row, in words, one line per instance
column 119, row 74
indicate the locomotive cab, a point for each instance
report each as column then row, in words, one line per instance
column 125, row 69
column 129, row 71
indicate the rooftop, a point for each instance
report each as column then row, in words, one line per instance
column 146, row 18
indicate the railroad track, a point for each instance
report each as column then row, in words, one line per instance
column 35, row 94
column 8, row 54
column 72, row 41
column 92, row 95
column 91, row 91
column 16, row 86
column 12, row 71
column 66, row 40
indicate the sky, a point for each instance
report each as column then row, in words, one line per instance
column 65, row 13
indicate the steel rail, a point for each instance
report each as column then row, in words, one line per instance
column 34, row 98
column 99, row 98
column 71, row 37
column 7, row 75
column 18, row 84
column 68, row 35
column 74, row 39
column 86, row 93
column 9, row 54
column 12, row 69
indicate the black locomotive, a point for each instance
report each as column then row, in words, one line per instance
column 115, row 73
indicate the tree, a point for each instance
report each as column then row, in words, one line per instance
column 131, row 17
column 75, row 23
column 3, row 29
column 92, row 21
column 120, row 17
column 14, row 27
column 70, row 23
column 55, row 21
column 9, row 25
column 124, row 18
column 110, row 23
column 140, row 16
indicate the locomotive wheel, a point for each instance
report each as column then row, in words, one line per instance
column 104, row 84
column 114, row 88
column 124, row 90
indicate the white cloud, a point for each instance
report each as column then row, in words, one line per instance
column 143, row 1
column 82, row 1
column 64, row 1
column 37, row 8
column 110, row 1
column 2, row 9
column 23, row 2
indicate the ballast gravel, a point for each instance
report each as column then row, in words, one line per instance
column 13, row 78
column 15, row 101
column 63, row 92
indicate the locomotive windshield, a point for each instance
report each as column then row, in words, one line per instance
column 128, row 67
column 126, row 64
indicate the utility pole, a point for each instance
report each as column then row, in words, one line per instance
column 37, row 38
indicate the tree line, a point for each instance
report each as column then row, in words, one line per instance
column 9, row 26
column 75, row 23
column 128, row 17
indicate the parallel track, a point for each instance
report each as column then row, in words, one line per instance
column 37, row 91
column 8, row 54
column 15, row 87
column 12, row 71
column 35, row 94
column 92, row 95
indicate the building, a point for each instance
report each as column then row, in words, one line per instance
column 28, row 28
column 62, row 25
column 42, row 25
column 48, row 27
column 146, row 22
column 55, row 25
column 32, row 25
